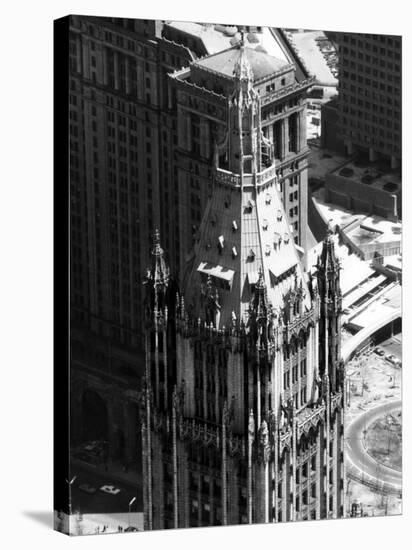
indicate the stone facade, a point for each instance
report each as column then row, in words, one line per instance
column 243, row 399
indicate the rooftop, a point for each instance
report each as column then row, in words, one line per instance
column 240, row 234
column 216, row 38
column 360, row 228
column 375, row 174
column 261, row 63
column 322, row 161
column 212, row 39
column 307, row 47
column 386, row 303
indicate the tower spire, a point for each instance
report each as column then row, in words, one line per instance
column 160, row 271
column 242, row 70
column 158, row 274
column 330, row 296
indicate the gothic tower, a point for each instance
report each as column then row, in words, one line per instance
column 253, row 430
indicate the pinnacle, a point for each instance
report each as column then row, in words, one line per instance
column 157, row 249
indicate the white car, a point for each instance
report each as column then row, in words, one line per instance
column 110, row 489
column 394, row 360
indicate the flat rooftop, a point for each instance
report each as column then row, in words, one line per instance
column 323, row 161
column 366, row 230
column 374, row 174
column 388, row 302
column 308, row 49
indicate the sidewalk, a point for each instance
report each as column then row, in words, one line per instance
column 93, row 524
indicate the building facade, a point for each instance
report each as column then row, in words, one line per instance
column 118, row 104
column 243, row 401
column 370, row 94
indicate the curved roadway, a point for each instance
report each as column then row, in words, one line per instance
column 365, row 467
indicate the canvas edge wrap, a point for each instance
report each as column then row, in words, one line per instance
column 61, row 354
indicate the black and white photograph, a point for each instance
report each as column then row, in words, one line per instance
column 205, row 229
column 235, row 237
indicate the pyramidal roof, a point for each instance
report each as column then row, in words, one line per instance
column 225, row 62
column 244, row 234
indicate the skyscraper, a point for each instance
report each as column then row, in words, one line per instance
column 142, row 147
column 370, row 94
column 129, row 151
column 243, row 401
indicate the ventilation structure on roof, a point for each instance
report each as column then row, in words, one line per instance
column 234, row 252
column 234, row 225
column 251, row 255
column 268, row 198
column 279, row 215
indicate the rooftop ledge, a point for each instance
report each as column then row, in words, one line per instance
column 249, row 180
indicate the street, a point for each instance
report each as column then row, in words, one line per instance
column 393, row 346
column 360, row 460
column 100, row 502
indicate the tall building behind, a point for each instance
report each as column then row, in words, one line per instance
column 121, row 151
column 243, row 402
column 370, row 94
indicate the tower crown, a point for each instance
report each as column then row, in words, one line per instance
column 328, row 272
column 328, row 258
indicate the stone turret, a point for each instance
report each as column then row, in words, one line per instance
column 330, row 300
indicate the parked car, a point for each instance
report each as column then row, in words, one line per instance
column 393, row 359
column 110, row 489
column 379, row 351
column 87, row 488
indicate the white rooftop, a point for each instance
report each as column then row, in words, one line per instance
column 385, row 230
column 382, row 307
column 308, row 50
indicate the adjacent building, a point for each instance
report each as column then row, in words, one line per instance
column 243, row 402
column 370, row 94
